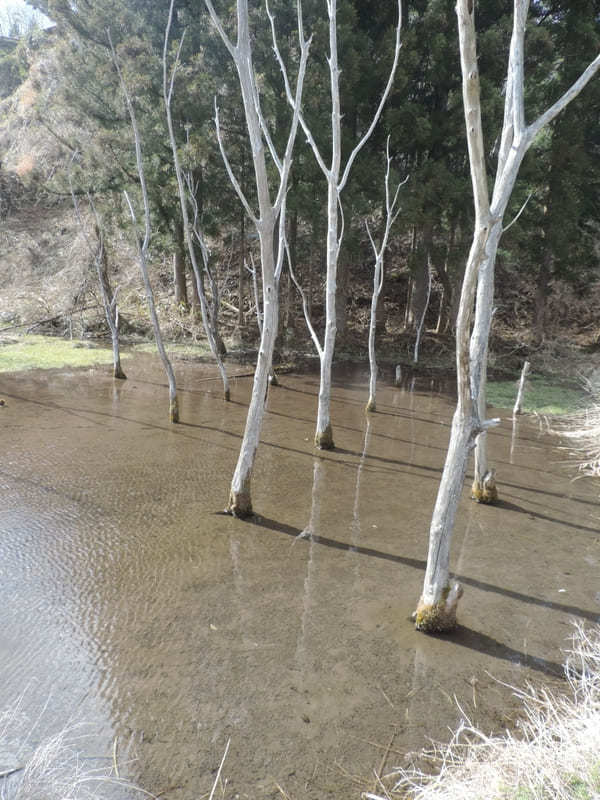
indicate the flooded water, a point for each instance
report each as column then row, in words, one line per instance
column 129, row 600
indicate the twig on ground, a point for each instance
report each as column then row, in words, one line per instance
column 114, row 756
column 282, row 791
column 219, row 770
column 5, row 773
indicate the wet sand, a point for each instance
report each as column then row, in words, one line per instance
column 131, row 602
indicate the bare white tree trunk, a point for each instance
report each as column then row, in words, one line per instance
column 240, row 501
column 518, row 408
column 436, row 610
column 390, row 215
column 109, row 303
column 142, row 245
column 208, row 314
column 111, row 309
column 423, row 315
column 142, row 248
column 336, row 180
column 516, row 139
column 377, row 284
column 483, row 489
column 259, row 317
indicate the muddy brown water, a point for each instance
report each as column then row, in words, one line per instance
column 131, row 603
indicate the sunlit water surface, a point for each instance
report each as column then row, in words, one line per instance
column 131, row 603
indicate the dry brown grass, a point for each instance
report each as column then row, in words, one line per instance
column 555, row 754
column 581, row 432
column 57, row 767
column 25, row 165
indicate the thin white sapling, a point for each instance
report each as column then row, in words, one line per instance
column 337, row 177
column 391, row 213
column 271, row 217
column 192, row 231
column 143, row 244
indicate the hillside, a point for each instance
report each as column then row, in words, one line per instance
column 46, row 258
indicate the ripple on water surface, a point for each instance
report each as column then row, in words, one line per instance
column 132, row 602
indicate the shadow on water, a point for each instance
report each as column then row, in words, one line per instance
column 394, row 410
column 549, row 493
column 296, row 533
column 480, row 643
column 504, row 504
column 88, row 416
column 384, row 460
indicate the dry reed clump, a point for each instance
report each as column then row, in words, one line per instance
column 555, row 757
column 582, row 431
column 56, row 768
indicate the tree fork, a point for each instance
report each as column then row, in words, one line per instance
column 271, row 213
column 437, row 607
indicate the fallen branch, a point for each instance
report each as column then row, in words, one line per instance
column 5, row 773
column 230, row 306
column 31, row 325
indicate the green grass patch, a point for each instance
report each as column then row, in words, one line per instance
column 48, row 352
column 522, row 794
column 541, row 396
column 581, row 789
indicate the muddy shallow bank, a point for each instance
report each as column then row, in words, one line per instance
column 130, row 601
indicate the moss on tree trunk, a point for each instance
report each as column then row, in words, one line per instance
column 324, row 440
column 240, row 503
column 439, row 617
column 174, row 410
column 485, row 491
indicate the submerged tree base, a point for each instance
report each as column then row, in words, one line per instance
column 240, row 504
column 324, row 440
column 371, row 406
column 439, row 617
column 227, row 395
column 118, row 372
column 174, row 410
column 485, row 491
column 221, row 349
